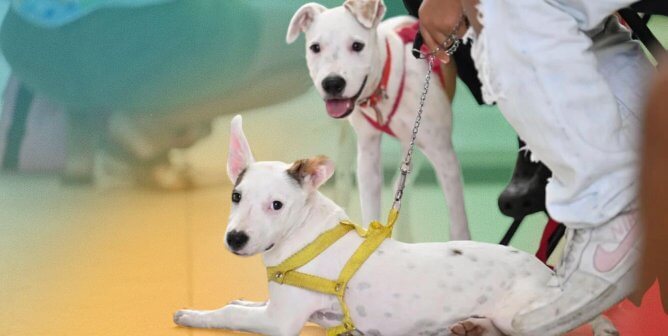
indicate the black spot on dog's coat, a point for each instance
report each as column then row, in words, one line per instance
column 456, row 252
column 361, row 310
column 363, row 285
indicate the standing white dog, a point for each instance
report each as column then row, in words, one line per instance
column 364, row 70
column 459, row 287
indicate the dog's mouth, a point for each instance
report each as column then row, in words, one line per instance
column 242, row 254
column 342, row 107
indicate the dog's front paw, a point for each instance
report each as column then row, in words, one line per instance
column 187, row 318
column 242, row 302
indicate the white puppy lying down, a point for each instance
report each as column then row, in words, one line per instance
column 458, row 287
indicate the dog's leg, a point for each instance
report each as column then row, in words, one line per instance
column 83, row 135
column 369, row 174
column 265, row 319
column 345, row 163
column 475, row 326
column 242, row 302
column 602, row 326
column 441, row 154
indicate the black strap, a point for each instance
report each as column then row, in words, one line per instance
column 643, row 33
column 412, row 7
column 651, row 7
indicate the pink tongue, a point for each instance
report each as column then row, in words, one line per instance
column 337, row 108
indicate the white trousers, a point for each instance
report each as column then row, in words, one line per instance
column 569, row 79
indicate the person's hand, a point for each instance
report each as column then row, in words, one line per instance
column 438, row 19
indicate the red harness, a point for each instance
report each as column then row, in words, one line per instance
column 407, row 35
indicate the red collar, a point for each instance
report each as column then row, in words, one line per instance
column 407, row 35
column 381, row 90
column 381, row 93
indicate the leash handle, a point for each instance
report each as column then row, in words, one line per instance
column 406, row 164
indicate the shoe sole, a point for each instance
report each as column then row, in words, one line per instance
column 588, row 312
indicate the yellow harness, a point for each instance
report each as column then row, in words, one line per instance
column 285, row 273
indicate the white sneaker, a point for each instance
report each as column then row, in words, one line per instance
column 596, row 271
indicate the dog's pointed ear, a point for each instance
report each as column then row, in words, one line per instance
column 239, row 156
column 302, row 19
column 369, row 13
column 312, row 173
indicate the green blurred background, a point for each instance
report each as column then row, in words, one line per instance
column 155, row 60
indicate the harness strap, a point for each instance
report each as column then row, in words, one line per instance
column 309, row 252
column 307, row 281
column 407, row 36
column 381, row 93
column 285, row 273
column 378, row 233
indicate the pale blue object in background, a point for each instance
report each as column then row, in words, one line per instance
column 5, row 70
column 54, row 13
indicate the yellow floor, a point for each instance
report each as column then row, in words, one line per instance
column 81, row 262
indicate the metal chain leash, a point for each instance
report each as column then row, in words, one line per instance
column 452, row 42
column 406, row 165
column 448, row 50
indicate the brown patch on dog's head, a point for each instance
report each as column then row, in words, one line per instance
column 315, row 170
column 367, row 12
column 300, row 169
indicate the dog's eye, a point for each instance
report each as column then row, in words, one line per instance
column 236, row 197
column 277, row 205
column 315, row 47
column 358, row 46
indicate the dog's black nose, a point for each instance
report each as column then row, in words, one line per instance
column 236, row 240
column 334, row 85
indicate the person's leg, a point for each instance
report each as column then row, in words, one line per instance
column 573, row 97
column 654, row 179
